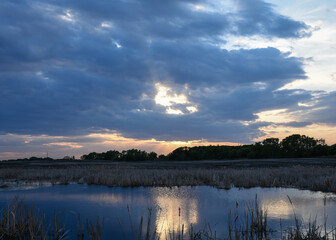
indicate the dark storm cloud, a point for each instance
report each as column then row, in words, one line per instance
column 242, row 103
column 199, row 64
column 64, row 73
column 62, row 101
column 258, row 17
column 187, row 127
column 177, row 18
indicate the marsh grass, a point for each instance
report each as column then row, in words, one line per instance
column 302, row 177
column 309, row 231
column 19, row 221
column 90, row 230
column 252, row 226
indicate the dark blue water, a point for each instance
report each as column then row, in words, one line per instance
column 171, row 207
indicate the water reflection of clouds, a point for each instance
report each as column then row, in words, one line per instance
column 103, row 199
column 117, row 199
column 20, row 185
column 307, row 206
column 197, row 205
column 176, row 207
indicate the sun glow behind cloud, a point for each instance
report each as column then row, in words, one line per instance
column 166, row 98
column 174, row 111
column 172, row 101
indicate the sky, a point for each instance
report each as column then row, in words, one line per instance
column 84, row 76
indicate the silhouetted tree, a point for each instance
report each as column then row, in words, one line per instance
column 134, row 155
column 270, row 148
column 333, row 149
column 112, row 155
column 298, row 145
column 151, row 156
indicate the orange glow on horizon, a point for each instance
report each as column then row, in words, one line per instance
column 65, row 144
column 315, row 130
column 118, row 142
column 60, row 146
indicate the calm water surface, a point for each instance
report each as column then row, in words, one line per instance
column 171, row 207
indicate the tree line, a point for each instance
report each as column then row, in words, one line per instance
column 126, row 155
column 294, row 146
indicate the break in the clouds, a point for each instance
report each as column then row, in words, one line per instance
column 146, row 69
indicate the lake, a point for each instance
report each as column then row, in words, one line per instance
column 200, row 206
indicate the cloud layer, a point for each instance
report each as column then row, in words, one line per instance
column 73, row 68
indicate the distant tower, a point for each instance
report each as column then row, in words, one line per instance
column 47, row 155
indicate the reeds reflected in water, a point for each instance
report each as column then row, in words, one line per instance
column 21, row 221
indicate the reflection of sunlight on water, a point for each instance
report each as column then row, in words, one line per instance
column 198, row 205
column 278, row 208
column 176, row 208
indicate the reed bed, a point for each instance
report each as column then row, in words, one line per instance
column 21, row 221
column 301, row 177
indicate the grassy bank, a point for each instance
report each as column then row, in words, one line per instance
column 302, row 177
